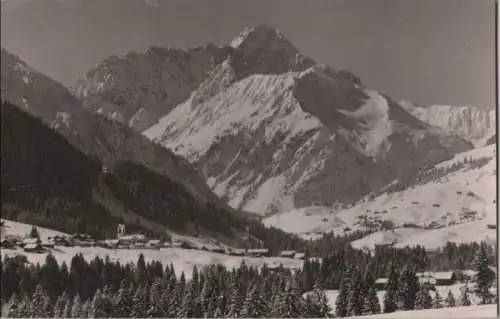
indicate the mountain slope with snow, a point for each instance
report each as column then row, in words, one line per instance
column 93, row 134
column 471, row 123
column 457, row 205
column 272, row 139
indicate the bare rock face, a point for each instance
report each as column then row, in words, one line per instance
column 110, row 141
column 137, row 89
column 471, row 123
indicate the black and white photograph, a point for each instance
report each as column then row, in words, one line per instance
column 249, row 159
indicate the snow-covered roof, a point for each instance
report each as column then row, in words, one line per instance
column 437, row 274
column 31, row 246
column 260, row 250
column 287, row 252
column 381, row 281
column 133, row 237
column 238, row 251
column 154, row 241
column 300, row 255
column 31, row 241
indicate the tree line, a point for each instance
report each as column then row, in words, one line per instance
column 105, row 288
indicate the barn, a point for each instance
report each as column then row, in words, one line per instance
column 287, row 253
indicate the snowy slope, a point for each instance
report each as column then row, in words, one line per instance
column 446, row 201
column 22, row 230
column 479, row 311
column 267, row 145
column 485, row 311
column 469, row 122
column 183, row 259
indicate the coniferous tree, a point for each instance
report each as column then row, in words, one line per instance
column 188, row 303
column 155, row 300
column 60, row 306
column 34, row 232
column 464, row 297
column 437, row 301
column 423, row 299
column 96, row 306
column 450, row 300
column 391, row 292
column 484, row 277
column 175, row 304
column 40, row 303
column 255, row 305
column 24, row 309
column 372, row 303
column 140, row 304
column 290, row 303
column 67, row 309
column 11, row 308
column 341, row 301
column 355, row 298
column 236, row 300
column 408, row 288
column 76, row 307
column 123, row 301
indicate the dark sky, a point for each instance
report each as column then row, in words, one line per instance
column 427, row 51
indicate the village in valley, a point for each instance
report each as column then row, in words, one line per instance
column 33, row 242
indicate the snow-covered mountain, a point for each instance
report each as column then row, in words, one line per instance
column 474, row 124
column 93, row 134
column 270, row 137
column 139, row 88
column 454, row 201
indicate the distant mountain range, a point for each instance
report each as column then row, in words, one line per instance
column 254, row 126
column 270, row 129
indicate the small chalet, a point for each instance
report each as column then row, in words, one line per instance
column 33, row 247
column 262, row 252
column 61, row 241
column 133, row 239
column 48, row 243
column 139, row 245
column 287, row 253
column 237, row 252
column 216, row 249
column 8, row 244
column 300, row 256
column 439, row 278
column 154, row 243
column 28, row 241
column 380, row 283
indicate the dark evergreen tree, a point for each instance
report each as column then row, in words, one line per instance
column 408, row 288
column 34, row 232
column 76, row 308
column 450, row 300
column 60, row 306
column 188, row 305
column 40, row 305
column 437, row 302
column 289, row 304
column 484, row 277
column 372, row 303
column 341, row 302
column 355, row 297
column 255, row 305
column 391, row 291
column 235, row 301
column 464, row 297
column 140, row 304
column 423, row 299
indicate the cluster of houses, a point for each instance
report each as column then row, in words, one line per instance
column 438, row 278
